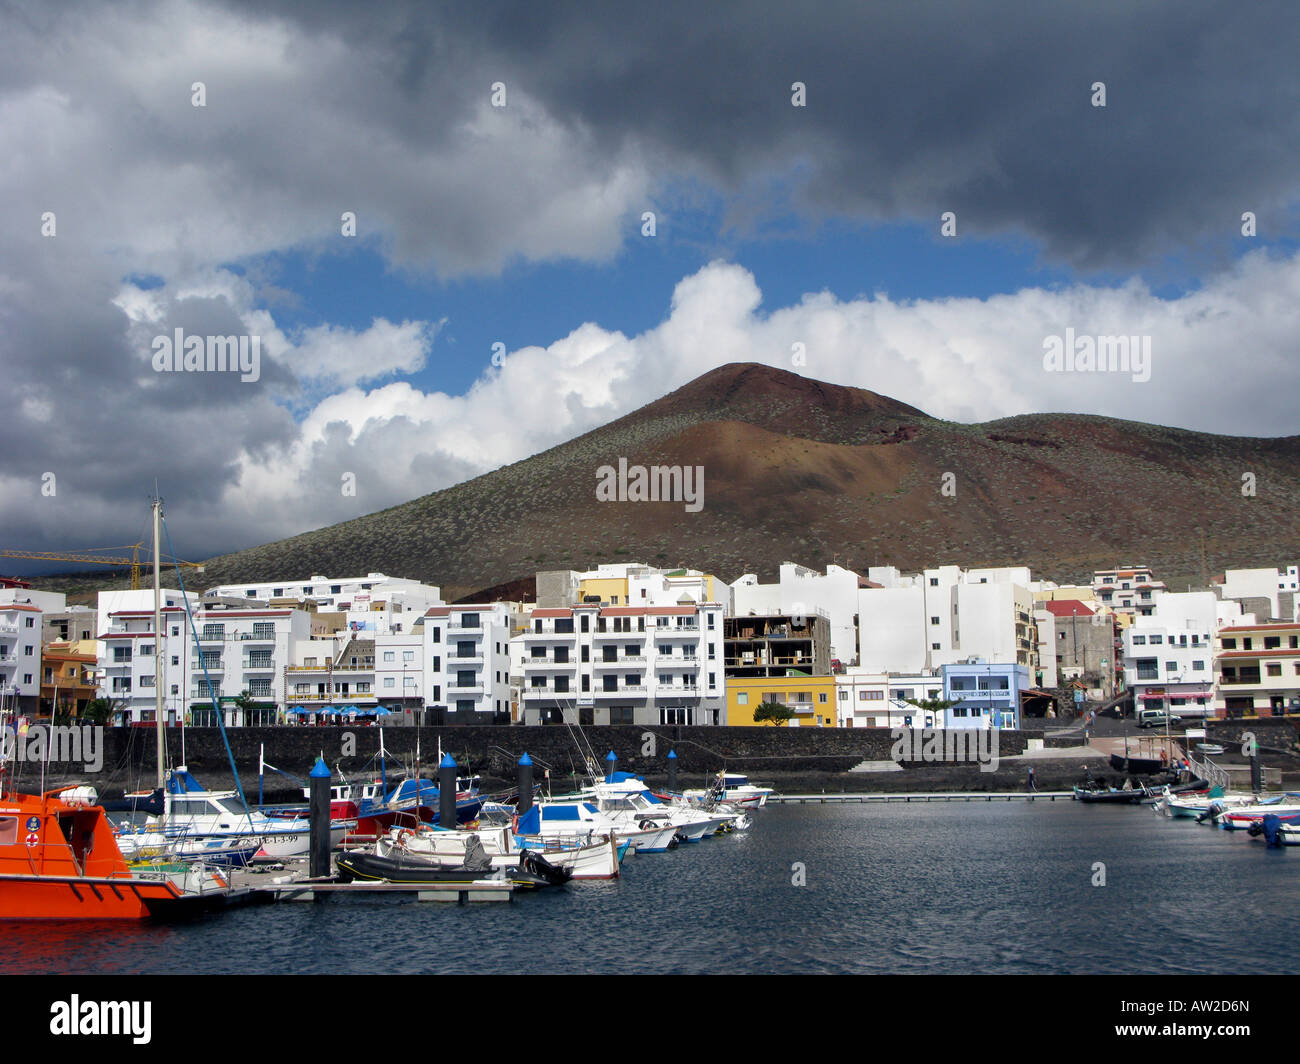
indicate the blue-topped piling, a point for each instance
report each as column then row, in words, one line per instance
column 447, row 791
column 319, row 814
column 525, row 780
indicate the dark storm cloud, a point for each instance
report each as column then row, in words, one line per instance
column 913, row 109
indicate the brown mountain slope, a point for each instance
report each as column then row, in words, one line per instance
column 795, row 469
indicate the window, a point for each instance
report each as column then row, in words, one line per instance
column 146, row 681
column 389, row 683
column 408, row 655
column 586, row 623
column 176, row 659
column 121, row 654
column 1229, row 644
column 712, row 680
column 934, row 620
column 742, row 698
column 1198, row 666
column 935, row 646
column 1171, row 666
column 1138, row 640
column 934, row 581
column 1156, row 640
column 1147, row 669
column 389, row 656
column 1274, row 670
column 1272, row 642
column 821, row 696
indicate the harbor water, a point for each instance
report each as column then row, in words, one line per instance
column 1051, row 887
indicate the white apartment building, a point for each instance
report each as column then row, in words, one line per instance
column 866, row 699
column 800, row 592
column 1277, row 586
column 652, row 665
column 467, row 662
column 242, row 651
column 330, row 674
column 921, row 622
column 20, row 655
column 1131, row 590
column 1169, row 656
column 375, row 603
column 630, row 584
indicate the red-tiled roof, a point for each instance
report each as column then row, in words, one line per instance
column 1067, row 608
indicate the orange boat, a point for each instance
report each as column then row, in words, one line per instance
column 59, row 860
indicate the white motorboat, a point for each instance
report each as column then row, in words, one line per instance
column 578, row 820
column 209, row 822
column 627, row 800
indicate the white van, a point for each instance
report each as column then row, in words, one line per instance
column 1153, row 718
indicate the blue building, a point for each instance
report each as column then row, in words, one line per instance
column 989, row 694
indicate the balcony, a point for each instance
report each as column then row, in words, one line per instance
column 690, row 631
column 538, row 694
column 638, row 636
column 332, row 668
column 258, row 664
column 464, row 659
column 465, row 629
column 211, row 666
column 636, row 659
column 550, row 633
column 465, row 688
column 549, row 663
column 621, row 692
column 253, row 637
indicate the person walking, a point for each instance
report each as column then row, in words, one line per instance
column 1033, row 783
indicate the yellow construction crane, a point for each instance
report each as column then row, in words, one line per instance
column 85, row 557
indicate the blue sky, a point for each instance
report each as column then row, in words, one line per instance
column 483, row 220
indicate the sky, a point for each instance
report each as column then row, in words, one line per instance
column 460, row 234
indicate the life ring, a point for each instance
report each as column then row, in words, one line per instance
column 402, row 836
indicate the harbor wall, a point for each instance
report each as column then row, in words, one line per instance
column 761, row 751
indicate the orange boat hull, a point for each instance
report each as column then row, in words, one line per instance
column 49, row 898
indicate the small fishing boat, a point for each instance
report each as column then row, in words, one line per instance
column 59, row 860
column 530, row 870
column 1113, row 795
column 732, row 787
column 600, row 858
column 1288, row 812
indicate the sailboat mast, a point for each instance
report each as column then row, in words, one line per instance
column 158, row 640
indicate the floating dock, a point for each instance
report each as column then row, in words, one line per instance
column 938, row 796
column 291, row 888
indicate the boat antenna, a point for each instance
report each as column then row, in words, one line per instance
column 207, row 676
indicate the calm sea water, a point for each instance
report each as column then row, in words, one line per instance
column 938, row 888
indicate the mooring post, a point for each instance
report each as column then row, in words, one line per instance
column 319, row 813
column 447, row 792
column 525, row 779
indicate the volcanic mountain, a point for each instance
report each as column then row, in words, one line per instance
column 798, row 470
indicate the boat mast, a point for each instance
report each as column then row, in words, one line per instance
column 158, row 640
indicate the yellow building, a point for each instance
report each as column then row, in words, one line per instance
column 811, row 697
